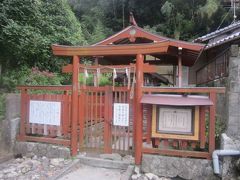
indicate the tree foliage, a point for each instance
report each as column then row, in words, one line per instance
column 180, row 19
column 29, row 27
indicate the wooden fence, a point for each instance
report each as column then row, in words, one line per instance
column 45, row 133
column 97, row 133
column 96, row 130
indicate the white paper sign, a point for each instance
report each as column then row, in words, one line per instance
column 121, row 114
column 45, row 112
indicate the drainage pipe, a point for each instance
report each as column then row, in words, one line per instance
column 217, row 153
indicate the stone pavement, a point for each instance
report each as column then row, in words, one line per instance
column 33, row 168
column 93, row 173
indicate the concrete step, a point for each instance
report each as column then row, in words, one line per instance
column 103, row 163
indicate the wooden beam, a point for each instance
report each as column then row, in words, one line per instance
column 138, row 119
column 180, row 153
column 50, row 88
column 64, row 142
column 160, row 47
column 147, row 68
column 184, row 90
column 74, row 119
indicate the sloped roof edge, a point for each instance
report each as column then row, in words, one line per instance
column 213, row 34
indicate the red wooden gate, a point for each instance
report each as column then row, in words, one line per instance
column 96, row 129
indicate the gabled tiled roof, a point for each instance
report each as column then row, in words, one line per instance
column 231, row 37
column 213, row 34
column 221, row 36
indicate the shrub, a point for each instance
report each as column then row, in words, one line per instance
column 27, row 76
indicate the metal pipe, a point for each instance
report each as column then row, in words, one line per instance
column 217, row 153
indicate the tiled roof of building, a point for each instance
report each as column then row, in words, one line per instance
column 218, row 32
column 218, row 37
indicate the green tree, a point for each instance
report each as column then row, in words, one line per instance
column 29, row 27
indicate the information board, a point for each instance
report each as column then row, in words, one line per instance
column 175, row 120
column 45, row 112
column 121, row 114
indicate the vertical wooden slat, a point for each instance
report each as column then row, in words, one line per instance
column 212, row 123
column 202, row 127
column 110, row 115
column 27, row 124
column 65, row 114
column 124, row 128
column 107, row 148
column 130, row 119
column 96, row 120
column 87, row 119
column 91, row 119
column 101, row 115
column 82, row 104
column 149, row 123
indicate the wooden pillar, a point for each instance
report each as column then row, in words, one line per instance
column 23, row 113
column 138, row 119
column 74, row 119
column 179, row 67
column 212, row 122
column 107, row 121
column 202, row 127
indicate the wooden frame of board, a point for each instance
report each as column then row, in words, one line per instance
column 194, row 136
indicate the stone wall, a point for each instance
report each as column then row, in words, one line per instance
column 233, row 93
column 41, row 149
column 230, row 164
column 186, row 168
column 231, row 140
column 10, row 125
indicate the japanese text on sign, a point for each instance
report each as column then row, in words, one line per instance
column 45, row 112
column 121, row 114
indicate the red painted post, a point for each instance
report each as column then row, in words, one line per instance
column 202, row 127
column 212, row 123
column 81, row 117
column 179, row 67
column 23, row 113
column 74, row 118
column 107, row 120
column 138, row 107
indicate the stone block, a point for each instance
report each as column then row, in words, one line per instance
column 229, row 169
column 234, row 86
column 104, row 163
column 12, row 106
column 232, row 129
column 113, row 156
column 41, row 149
column 186, row 168
column 233, row 102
